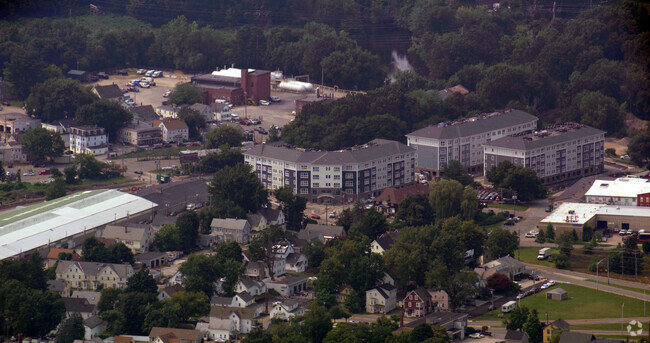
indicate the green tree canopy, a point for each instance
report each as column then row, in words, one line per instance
column 415, row 210
column 188, row 226
column 104, row 113
column 70, row 330
column 56, row 189
column 224, row 134
column 239, row 187
column 293, row 207
column 42, row 143
column 501, row 243
column 446, row 197
column 194, row 120
column 57, row 99
column 168, row 238
column 186, row 93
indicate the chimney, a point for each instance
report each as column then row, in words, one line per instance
column 244, row 79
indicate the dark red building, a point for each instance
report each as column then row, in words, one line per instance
column 418, row 303
column 226, row 85
column 643, row 199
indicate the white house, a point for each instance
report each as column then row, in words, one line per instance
column 286, row 309
column 221, row 112
column 296, row 262
column 250, row 286
column 230, row 229
column 441, row 298
column 173, row 130
column 167, row 111
column 242, row 300
column 204, row 110
column 381, row 299
column 234, row 319
column 93, row 327
column 88, row 139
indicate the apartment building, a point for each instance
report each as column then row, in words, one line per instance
column 334, row 176
column 89, row 275
column 140, row 133
column 463, row 140
column 558, row 153
column 88, row 139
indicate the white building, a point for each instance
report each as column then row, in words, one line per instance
column 557, row 153
column 173, row 130
column 204, row 110
column 286, row 309
column 624, row 191
column 334, row 176
column 88, row 139
column 381, row 299
column 12, row 152
column 167, row 111
column 221, row 112
column 463, row 140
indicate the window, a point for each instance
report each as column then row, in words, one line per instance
column 316, row 185
column 316, row 177
column 337, row 177
column 337, row 169
column 304, row 183
column 315, row 169
column 349, row 184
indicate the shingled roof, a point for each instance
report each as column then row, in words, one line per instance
column 108, row 92
column 395, row 195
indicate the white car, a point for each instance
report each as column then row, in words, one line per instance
column 275, row 98
column 167, row 93
column 29, row 173
column 551, row 283
column 476, row 335
column 144, row 84
column 141, row 71
column 265, row 102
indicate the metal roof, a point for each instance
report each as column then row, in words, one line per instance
column 581, row 213
column 628, row 187
column 34, row 226
column 527, row 142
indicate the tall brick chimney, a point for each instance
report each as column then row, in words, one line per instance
column 244, row 80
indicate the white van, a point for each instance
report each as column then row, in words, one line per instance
column 509, row 306
column 147, row 79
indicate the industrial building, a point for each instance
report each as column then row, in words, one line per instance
column 558, row 153
column 463, row 140
column 334, row 176
column 236, row 86
column 66, row 221
column 15, row 123
column 574, row 216
column 624, row 191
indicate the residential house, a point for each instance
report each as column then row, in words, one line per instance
column 265, row 218
column 381, row 299
column 12, row 152
column 418, row 303
column 108, row 92
column 305, row 236
column 80, row 75
column 455, row 323
column 168, row 335
column 387, row 279
column 89, row 275
column 205, row 111
column 237, row 230
column 506, row 265
column 553, row 327
column 152, row 259
column 169, row 291
column 137, row 237
column 296, row 262
column 576, row 337
column 221, row 112
column 139, row 133
column 342, row 293
column 383, row 242
column 516, row 336
column 242, row 300
column 286, row 309
column 256, row 270
column 443, row 94
column 167, row 111
column 91, row 296
column 441, row 298
column 557, row 294
column 78, row 306
column 59, row 286
column 145, row 113
column 62, row 126
column 176, row 279
column 231, row 320
column 388, row 201
column 88, row 139
column 250, row 286
column 329, row 231
column 287, row 285
column 174, row 130
column 93, row 327
column 53, row 256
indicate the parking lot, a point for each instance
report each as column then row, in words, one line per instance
column 147, row 96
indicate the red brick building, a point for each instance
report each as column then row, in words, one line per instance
column 643, row 199
column 235, row 85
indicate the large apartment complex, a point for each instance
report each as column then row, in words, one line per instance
column 463, row 140
column 558, row 153
column 334, row 176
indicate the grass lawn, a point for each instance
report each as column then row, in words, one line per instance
column 160, row 152
column 114, row 181
column 616, row 326
column 489, row 228
column 583, row 303
column 603, row 281
column 508, row 207
column 529, row 255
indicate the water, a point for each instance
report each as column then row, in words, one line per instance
column 398, row 62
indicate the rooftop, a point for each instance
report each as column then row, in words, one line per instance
column 108, row 91
column 555, row 134
column 145, row 113
column 475, row 125
column 375, row 149
column 580, row 213
column 629, row 186
column 171, row 123
column 37, row 225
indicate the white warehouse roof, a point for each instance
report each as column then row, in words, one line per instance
column 628, row 187
column 581, row 213
column 34, row 226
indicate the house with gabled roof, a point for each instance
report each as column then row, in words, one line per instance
column 418, row 303
column 231, row 320
column 238, row 230
column 174, row 130
column 286, row 309
column 505, row 265
column 53, row 255
column 388, row 201
column 329, row 231
column 136, row 237
column 170, row 335
column 204, row 110
column 250, row 286
column 94, row 326
column 556, row 325
column 169, row 291
column 265, row 218
column 90, row 275
column 381, row 299
column 108, row 92
column 78, row 306
column 243, row 299
column 383, row 242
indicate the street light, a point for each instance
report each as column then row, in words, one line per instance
column 598, row 269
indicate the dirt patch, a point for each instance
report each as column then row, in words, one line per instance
column 620, row 145
column 634, row 125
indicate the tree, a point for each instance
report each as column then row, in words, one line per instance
column 168, row 238
column 517, row 318
column 223, row 134
column 200, row 272
column 186, row 93
column 194, row 120
column 3, row 173
column 645, row 246
column 354, row 69
column 42, row 143
column 525, row 183
column 315, row 252
column 316, row 324
column 499, row 282
column 639, row 149
column 534, row 328
column 352, row 300
column 469, row 203
column 293, row 207
column 56, row 189
column 57, row 99
column 415, row 210
column 70, row 173
column 565, row 243
column 89, row 167
column 261, row 247
column 226, row 157
column 497, row 174
column 258, row 336
column 104, row 113
column 229, row 251
column 598, row 110
column 274, row 134
column 445, row 198
column 108, row 300
column 188, row 226
column 421, row 333
column 120, row 253
column 141, row 282
column 462, row 286
column 29, row 311
column 70, row 330
column 454, row 170
column 239, row 187
column 24, row 70
column 373, row 224
column 93, row 250
column 550, row 232
column 561, row 261
column 502, row 243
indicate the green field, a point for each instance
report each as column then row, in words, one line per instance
column 616, row 326
column 583, row 303
column 603, row 281
column 508, row 207
column 529, row 255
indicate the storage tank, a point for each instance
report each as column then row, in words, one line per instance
column 293, row 86
column 308, row 86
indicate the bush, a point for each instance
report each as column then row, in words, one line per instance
column 561, row 261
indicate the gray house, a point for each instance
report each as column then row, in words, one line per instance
column 226, row 230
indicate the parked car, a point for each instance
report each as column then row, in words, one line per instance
column 530, row 235
column 315, row 216
column 167, row 93
column 275, row 98
column 29, row 173
column 476, row 335
column 149, row 73
column 190, row 207
column 261, row 130
column 144, row 84
column 44, row 172
column 138, row 172
column 332, row 214
column 141, row 71
column 255, row 121
column 195, row 144
column 245, row 122
column 509, row 222
column 265, row 102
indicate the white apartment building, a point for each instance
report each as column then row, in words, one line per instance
column 557, row 153
column 88, row 139
column 334, row 176
column 624, row 191
column 173, row 130
column 463, row 140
